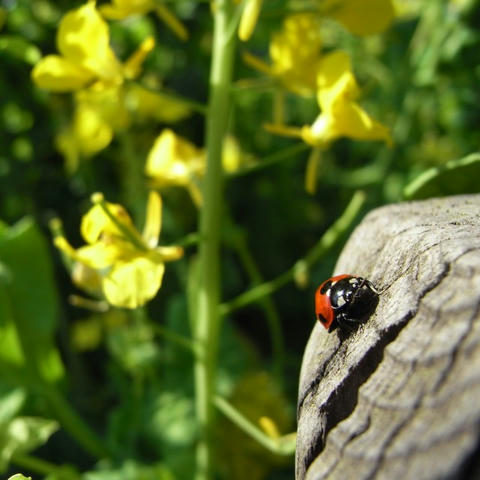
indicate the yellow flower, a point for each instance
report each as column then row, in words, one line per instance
column 361, row 17
column 248, row 21
column 85, row 54
column 173, row 160
column 341, row 115
column 100, row 107
column 98, row 114
column 120, row 9
column 295, row 52
column 233, row 157
column 86, row 59
column 119, row 263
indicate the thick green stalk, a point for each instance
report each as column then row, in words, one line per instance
column 206, row 329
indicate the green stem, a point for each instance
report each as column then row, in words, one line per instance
column 239, row 244
column 175, row 338
column 127, row 231
column 284, row 154
column 43, row 467
column 207, row 319
column 61, row 409
column 328, row 240
column 284, row 445
column 73, row 423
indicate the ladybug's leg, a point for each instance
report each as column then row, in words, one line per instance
column 347, row 323
column 343, row 322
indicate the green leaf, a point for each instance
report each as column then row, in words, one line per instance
column 19, row 476
column 131, row 470
column 23, row 434
column 10, row 404
column 455, row 177
column 28, row 302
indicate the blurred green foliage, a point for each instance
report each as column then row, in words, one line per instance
column 124, row 372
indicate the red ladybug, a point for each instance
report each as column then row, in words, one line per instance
column 345, row 301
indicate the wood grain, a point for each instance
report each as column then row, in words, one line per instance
column 400, row 397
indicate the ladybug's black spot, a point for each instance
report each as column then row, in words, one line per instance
column 325, row 287
column 322, row 318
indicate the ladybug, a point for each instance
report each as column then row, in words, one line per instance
column 345, row 301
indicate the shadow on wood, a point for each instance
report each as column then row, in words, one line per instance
column 399, row 398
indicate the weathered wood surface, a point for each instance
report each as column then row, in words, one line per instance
column 400, row 397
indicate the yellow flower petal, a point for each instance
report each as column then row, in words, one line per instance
column 62, row 244
column 108, row 103
column 346, row 120
column 364, row 17
column 87, row 278
column 96, row 222
column 92, row 134
column 99, row 256
column 120, row 9
column 59, row 74
column 83, row 39
column 133, row 65
column 153, row 222
column 174, row 160
column 341, row 116
column 132, row 284
column 249, row 18
column 295, row 51
column 335, row 78
column 167, row 254
column 232, row 155
column 354, row 122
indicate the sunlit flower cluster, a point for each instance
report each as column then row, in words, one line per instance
column 299, row 65
column 87, row 66
column 118, row 263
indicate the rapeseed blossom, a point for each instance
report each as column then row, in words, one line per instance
column 118, row 263
column 341, row 115
column 175, row 161
column 295, row 51
column 83, row 42
column 88, row 67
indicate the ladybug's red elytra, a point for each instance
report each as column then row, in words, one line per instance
column 345, row 301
